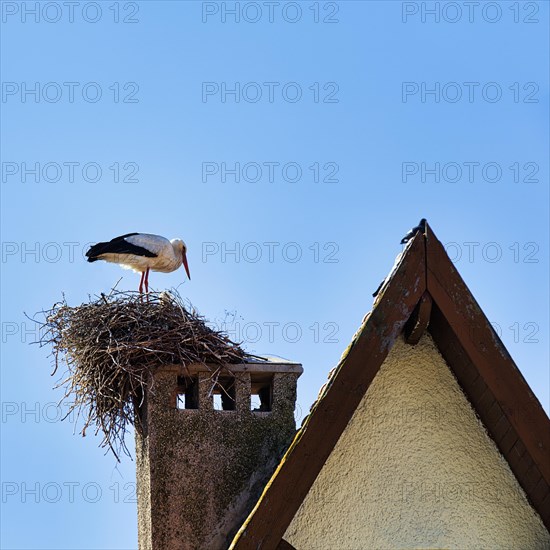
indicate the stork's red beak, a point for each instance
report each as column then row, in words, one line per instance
column 184, row 258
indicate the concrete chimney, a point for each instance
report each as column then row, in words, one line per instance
column 208, row 449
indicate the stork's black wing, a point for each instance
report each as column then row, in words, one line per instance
column 118, row 245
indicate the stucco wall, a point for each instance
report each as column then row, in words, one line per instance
column 416, row 469
column 200, row 471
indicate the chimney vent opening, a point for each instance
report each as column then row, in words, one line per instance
column 261, row 398
column 224, row 395
column 187, row 396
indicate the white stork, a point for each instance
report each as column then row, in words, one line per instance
column 142, row 252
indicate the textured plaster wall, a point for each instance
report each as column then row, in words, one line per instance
column 416, row 469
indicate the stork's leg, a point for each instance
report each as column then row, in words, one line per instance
column 147, row 281
column 141, row 282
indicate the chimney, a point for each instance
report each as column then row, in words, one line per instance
column 207, row 450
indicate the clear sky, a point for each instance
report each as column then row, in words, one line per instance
column 349, row 122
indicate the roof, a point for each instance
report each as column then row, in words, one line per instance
column 423, row 291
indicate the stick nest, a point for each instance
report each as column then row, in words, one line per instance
column 111, row 346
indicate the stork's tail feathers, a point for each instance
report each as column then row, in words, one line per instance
column 95, row 251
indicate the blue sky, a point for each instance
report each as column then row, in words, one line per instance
column 346, row 132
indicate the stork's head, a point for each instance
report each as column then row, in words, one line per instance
column 180, row 250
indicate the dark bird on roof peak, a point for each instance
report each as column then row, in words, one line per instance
column 412, row 232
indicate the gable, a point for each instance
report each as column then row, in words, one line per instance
column 415, row 467
column 422, row 292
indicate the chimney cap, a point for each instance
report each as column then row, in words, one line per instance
column 250, row 364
